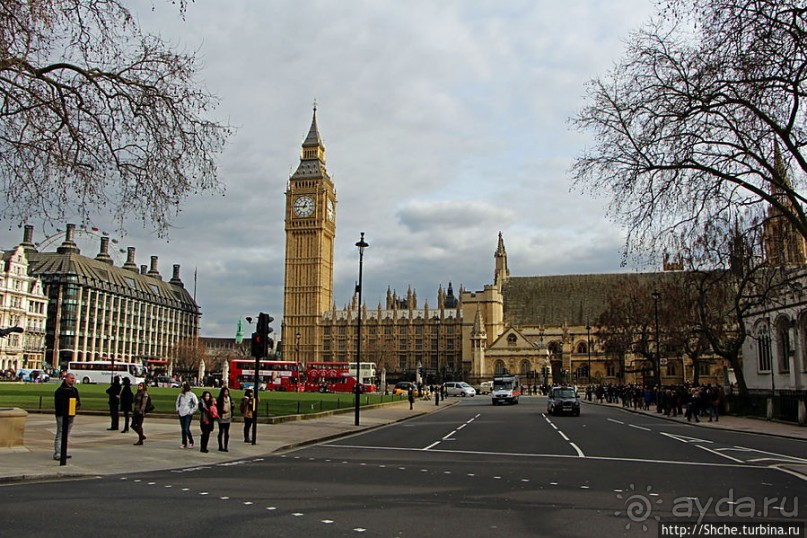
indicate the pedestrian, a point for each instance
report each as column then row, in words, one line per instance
column 247, row 406
column 716, row 401
column 61, row 403
column 114, row 402
column 224, row 404
column 187, row 404
column 411, row 395
column 207, row 417
column 126, row 401
column 142, row 406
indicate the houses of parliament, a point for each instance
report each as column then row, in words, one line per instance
column 536, row 326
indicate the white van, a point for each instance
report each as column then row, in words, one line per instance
column 459, row 388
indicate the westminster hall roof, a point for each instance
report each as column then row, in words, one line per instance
column 571, row 299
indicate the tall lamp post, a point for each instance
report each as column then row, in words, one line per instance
column 297, row 346
column 361, row 244
column 588, row 347
column 657, row 365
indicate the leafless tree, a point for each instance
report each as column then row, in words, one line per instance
column 701, row 118
column 189, row 354
column 97, row 116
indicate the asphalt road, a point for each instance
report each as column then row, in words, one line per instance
column 470, row 470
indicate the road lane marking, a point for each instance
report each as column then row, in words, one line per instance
column 685, row 438
column 548, row 456
column 639, row 427
column 579, row 452
column 445, row 437
column 563, row 435
column 719, row 453
column 434, row 444
column 617, row 421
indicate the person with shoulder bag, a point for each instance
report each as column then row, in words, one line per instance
column 247, row 406
column 186, row 405
column 208, row 413
column 225, row 408
column 142, row 406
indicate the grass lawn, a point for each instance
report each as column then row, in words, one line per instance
column 31, row 396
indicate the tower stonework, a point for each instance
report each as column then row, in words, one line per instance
column 310, row 234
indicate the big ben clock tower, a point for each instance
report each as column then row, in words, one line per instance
column 310, row 232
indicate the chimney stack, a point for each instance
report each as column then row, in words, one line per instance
column 175, row 279
column 153, row 271
column 28, row 238
column 130, row 260
column 69, row 246
column 103, row 253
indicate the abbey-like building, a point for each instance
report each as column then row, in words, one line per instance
column 536, row 326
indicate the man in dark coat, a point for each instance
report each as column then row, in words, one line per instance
column 61, row 403
column 114, row 402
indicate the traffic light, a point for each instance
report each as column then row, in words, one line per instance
column 260, row 338
column 258, row 345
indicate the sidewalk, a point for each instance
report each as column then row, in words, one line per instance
column 727, row 422
column 98, row 452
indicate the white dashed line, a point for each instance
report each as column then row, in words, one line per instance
column 617, row 421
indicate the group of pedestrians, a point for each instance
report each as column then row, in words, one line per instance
column 691, row 401
column 212, row 411
column 136, row 406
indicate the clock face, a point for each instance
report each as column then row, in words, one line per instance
column 303, row 206
column 331, row 211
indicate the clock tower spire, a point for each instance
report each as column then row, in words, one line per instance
column 310, row 233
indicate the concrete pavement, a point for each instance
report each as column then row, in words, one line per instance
column 97, row 451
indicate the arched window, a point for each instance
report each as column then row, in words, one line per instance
column 582, row 348
column 783, row 344
column 556, row 348
column 511, row 339
column 526, row 367
column 499, row 368
column 764, row 349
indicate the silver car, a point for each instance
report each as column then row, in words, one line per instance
column 459, row 388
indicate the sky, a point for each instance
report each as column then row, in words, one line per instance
column 444, row 122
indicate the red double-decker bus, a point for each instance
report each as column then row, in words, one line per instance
column 282, row 376
column 337, row 377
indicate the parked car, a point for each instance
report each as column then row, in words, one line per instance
column 563, row 400
column 167, row 381
column 485, row 387
column 32, row 376
column 402, row 387
column 459, row 388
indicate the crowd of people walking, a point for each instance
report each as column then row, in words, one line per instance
column 691, row 401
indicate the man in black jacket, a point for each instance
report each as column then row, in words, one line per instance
column 61, row 401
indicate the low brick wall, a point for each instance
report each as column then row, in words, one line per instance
column 12, row 426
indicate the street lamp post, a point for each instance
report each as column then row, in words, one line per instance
column 361, row 244
column 297, row 346
column 588, row 347
column 657, row 372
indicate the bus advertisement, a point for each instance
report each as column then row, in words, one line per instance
column 281, row 376
column 338, row 376
column 103, row 371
